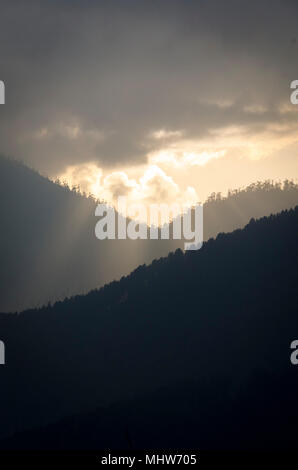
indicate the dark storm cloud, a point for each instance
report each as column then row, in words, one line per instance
column 91, row 80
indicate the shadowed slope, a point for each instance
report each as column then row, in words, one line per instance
column 48, row 249
column 224, row 312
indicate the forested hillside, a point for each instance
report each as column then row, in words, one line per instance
column 219, row 320
column 49, row 251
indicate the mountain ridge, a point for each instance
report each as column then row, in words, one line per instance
column 226, row 311
column 49, row 250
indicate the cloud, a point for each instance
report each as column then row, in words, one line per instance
column 185, row 159
column 86, row 177
column 114, row 82
column 154, row 186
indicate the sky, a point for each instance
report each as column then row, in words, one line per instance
column 155, row 100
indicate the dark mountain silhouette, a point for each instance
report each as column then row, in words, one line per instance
column 48, row 249
column 220, row 415
column 195, row 347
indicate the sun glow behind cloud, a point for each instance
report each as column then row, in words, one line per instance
column 185, row 159
column 154, row 186
column 183, row 170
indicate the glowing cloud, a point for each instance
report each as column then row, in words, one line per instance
column 154, row 186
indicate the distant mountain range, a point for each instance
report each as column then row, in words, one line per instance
column 192, row 351
column 49, row 251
